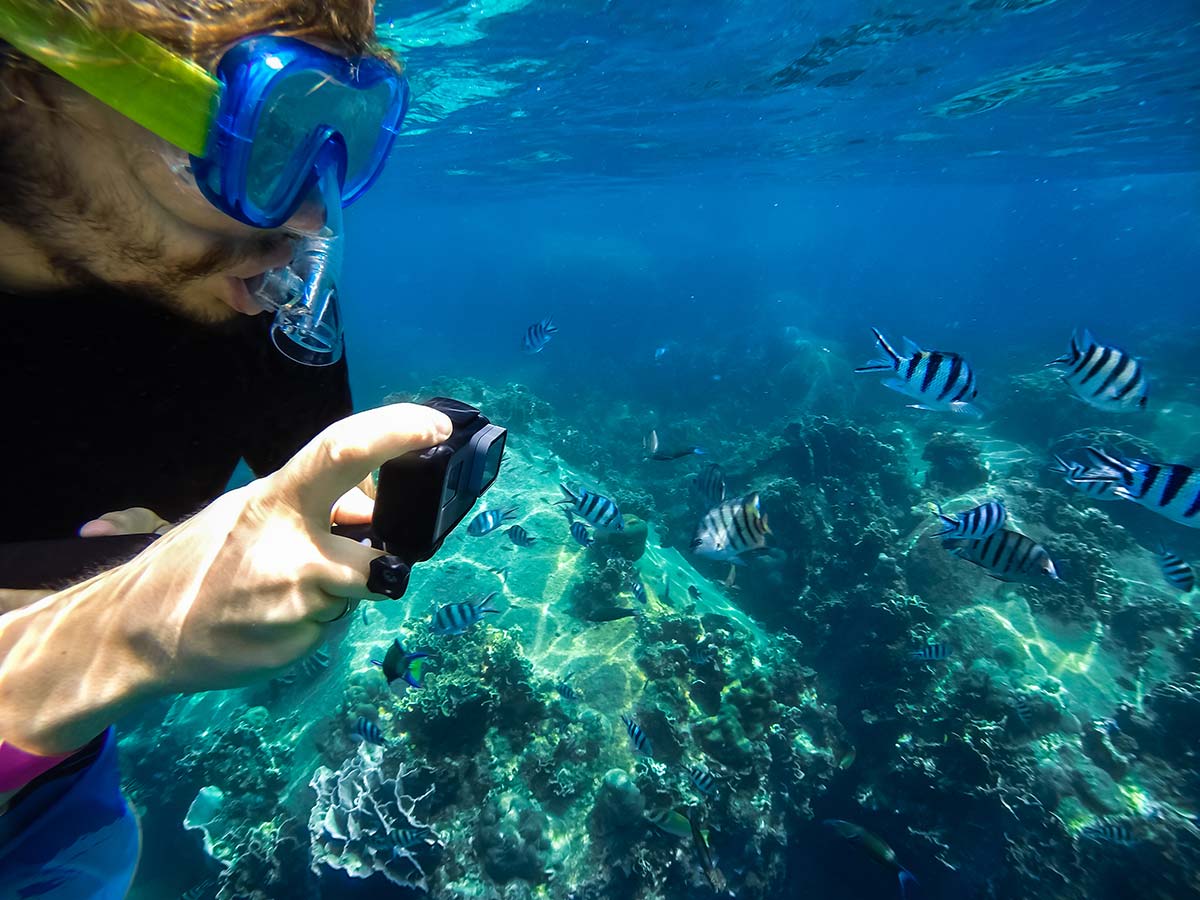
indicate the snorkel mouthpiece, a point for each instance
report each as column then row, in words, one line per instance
column 303, row 294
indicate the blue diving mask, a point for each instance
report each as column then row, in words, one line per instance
column 297, row 124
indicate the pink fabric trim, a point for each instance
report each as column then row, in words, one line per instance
column 18, row 767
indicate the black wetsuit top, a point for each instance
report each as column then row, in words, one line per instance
column 110, row 401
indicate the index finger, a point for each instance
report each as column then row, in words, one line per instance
column 347, row 451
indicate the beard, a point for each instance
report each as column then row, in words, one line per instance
column 109, row 232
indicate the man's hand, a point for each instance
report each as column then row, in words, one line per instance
column 135, row 520
column 236, row 592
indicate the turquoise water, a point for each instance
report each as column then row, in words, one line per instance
column 750, row 187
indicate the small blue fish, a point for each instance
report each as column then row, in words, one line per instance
column 639, row 590
column 932, row 652
column 401, row 667
column 580, row 533
column 637, row 737
column 538, row 335
column 519, row 536
column 659, row 353
column 366, row 730
column 456, row 618
column 489, row 520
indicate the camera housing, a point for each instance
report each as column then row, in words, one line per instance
column 424, row 494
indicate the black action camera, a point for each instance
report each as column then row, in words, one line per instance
column 422, row 496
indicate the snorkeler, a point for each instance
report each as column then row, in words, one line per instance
column 170, row 218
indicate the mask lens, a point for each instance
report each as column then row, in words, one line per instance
column 300, row 111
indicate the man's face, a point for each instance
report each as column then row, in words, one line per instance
column 106, row 200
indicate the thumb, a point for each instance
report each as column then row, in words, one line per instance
column 135, row 520
column 343, row 454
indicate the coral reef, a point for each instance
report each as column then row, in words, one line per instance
column 1059, row 711
column 955, row 464
column 359, row 820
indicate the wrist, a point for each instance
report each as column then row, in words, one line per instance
column 71, row 664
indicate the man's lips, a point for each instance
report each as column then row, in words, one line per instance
column 243, row 281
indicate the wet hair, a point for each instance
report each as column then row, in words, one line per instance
column 201, row 29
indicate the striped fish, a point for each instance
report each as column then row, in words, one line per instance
column 538, row 335
column 670, row 821
column 1103, row 832
column 489, row 520
column 1073, row 474
column 456, row 618
column 1104, row 377
column 308, row 668
column 702, row 780
column 639, row 590
column 410, row 837
column 731, row 529
column 1023, row 709
column 637, row 737
column 564, row 688
column 580, row 533
column 595, row 509
column 519, row 536
column 932, row 652
column 1177, row 572
column 366, row 730
column 937, row 380
column 1169, row 489
column 1006, row 556
column 974, row 524
column 710, row 484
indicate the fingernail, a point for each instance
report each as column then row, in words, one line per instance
column 97, row 528
column 443, row 426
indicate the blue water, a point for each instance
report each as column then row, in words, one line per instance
column 645, row 173
column 717, row 178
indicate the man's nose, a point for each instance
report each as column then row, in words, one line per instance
column 309, row 217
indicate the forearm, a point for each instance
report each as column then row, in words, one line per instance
column 71, row 663
column 11, row 598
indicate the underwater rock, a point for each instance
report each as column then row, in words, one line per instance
column 722, row 737
column 357, row 821
column 511, row 840
column 617, row 804
column 629, row 543
column 955, row 463
column 1140, row 620
column 1036, row 408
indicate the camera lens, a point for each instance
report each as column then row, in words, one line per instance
column 491, row 465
